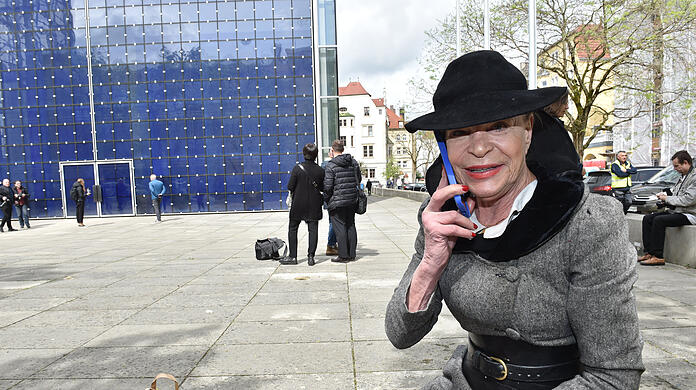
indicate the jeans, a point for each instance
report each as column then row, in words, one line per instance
column 332, row 235
column 343, row 220
column 624, row 196
column 156, row 205
column 23, row 215
column 654, row 227
column 313, row 227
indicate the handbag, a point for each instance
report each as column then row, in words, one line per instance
column 162, row 375
column 361, row 203
column 269, row 248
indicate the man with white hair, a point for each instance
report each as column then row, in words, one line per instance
column 156, row 192
column 6, row 202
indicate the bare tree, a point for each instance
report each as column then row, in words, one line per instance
column 596, row 47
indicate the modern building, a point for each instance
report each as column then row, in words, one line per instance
column 363, row 127
column 216, row 97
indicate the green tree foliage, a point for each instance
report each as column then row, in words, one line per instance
column 392, row 171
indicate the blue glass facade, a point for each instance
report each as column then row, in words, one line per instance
column 217, row 97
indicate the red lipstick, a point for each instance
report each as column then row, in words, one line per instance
column 482, row 171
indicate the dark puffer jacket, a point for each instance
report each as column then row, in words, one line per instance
column 342, row 175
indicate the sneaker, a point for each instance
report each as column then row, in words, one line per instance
column 340, row 260
column 331, row 250
column 287, row 260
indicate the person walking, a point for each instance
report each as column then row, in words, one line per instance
column 79, row 193
column 621, row 171
column 306, row 184
column 341, row 180
column 156, row 191
column 368, row 185
column 682, row 199
column 21, row 201
column 6, row 201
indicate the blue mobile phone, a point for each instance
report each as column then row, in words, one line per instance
column 461, row 204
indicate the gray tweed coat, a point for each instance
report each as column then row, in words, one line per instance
column 577, row 287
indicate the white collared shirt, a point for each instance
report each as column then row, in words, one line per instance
column 517, row 205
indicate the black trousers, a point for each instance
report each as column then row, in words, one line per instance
column 624, row 196
column 343, row 220
column 313, row 227
column 80, row 211
column 7, row 215
column 654, row 227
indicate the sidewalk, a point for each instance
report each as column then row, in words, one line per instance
column 110, row 305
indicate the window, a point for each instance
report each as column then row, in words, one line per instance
column 380, row 111
column 370, row 173
column 351, row 141
column 343, row 140
column 367, row 111
column 351, row 123
column 402, row 163
column 369, row 131
column 368, row 151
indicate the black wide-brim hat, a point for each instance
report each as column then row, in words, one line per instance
column 481, row 87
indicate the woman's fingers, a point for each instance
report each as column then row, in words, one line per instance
column 439, row 197
column 454, row 218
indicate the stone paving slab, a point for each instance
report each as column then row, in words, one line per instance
column 123, row 299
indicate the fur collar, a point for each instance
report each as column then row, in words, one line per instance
column 547, row 212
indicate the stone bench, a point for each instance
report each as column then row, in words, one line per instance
column 680, row 242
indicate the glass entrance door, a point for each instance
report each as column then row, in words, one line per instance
column 70, row 173
column 115, row 183
column 113, row 194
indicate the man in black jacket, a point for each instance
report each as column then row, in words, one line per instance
column 341, row 179
column 6, row 202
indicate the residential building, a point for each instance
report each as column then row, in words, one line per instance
column 586, row 49
column 216, row 97
column 363, row 126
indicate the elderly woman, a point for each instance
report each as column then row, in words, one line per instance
column 540, row 275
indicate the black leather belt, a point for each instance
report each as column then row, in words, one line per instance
column 513, row 361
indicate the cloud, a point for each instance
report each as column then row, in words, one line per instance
column 381, row 41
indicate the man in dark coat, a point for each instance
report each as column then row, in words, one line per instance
column 306, row 183
column 368, row 185
column 341, row 181
column 6, row 202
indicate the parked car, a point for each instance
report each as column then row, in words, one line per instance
column 645, row 195
column 599, row 182
column 644, row 174
column 415, row 187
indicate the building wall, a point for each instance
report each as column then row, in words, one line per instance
column 216, row 97
column 355, row 105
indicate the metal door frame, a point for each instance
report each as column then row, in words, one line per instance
column 95, row 168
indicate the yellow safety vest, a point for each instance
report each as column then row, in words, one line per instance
column 620, row 182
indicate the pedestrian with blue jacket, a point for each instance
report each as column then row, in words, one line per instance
column 156, row 192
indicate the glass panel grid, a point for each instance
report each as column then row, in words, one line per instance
column 215, row 97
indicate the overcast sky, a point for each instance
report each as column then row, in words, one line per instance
column 379, row 42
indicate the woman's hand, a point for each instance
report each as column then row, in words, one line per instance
column 441, row 230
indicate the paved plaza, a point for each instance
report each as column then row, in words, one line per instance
column 110, row 305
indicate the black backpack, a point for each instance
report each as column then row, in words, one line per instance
column 269, row 248
column 73, row 193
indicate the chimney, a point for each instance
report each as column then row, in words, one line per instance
column 402, row 114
